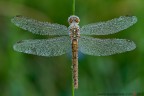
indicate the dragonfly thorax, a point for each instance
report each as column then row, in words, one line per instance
column 74, row 31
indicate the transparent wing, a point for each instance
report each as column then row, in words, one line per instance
column 37, row 27
column 44, row 47
column 104, row 47
column 109, row 27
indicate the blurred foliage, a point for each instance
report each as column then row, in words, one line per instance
column 28, row 75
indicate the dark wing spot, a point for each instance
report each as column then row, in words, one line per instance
column 20, row 41
column 18, row 16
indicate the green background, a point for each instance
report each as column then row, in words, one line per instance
column 28, row 75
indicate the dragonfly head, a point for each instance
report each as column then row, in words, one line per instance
column 73, row 19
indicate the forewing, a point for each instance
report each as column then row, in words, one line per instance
column 104, row 47
column 109, row 27
column 38, row 27
column 44, row 47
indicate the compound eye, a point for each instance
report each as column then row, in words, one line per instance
column 70, row 20
column 77, row 20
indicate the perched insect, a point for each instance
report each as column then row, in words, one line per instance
column 73, row 38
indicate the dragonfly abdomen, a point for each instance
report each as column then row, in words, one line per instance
column 75, row 62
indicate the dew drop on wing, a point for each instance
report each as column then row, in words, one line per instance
column 32, row 50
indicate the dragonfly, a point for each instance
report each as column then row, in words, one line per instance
column 74, row 38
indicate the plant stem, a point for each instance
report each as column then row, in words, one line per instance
column 72, row 88
column 73, row 7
